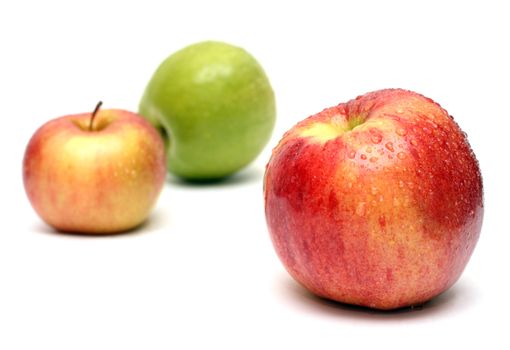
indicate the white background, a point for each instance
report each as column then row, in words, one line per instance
column 202, row 272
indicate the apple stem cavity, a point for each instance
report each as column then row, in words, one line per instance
column 93, row 116
column 354, row 122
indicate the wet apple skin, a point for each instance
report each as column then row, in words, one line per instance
column 384, row 215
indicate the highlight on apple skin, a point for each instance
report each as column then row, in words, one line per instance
column 376, row 202
column 96, row 175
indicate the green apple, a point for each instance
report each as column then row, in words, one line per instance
column 215, row 108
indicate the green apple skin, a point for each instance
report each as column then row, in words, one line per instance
column 215, row 107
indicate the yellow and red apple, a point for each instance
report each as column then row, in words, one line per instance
column 375, row 202
column 95, row 173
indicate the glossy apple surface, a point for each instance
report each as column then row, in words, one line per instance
column 215, row 108
column 101, row 180
column 376, row 202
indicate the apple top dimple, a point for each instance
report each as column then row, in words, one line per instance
column 101, row 122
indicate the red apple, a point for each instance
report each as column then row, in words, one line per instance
column 375, row 202
column 94, row 173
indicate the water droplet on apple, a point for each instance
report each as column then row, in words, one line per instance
column 369, row 149
column 351, row 154
column 361, row 209
column 389, row 146
column 373, row 159
column 401, row 155
column 376, row 138
column 374, row 190
column 401, row 184
column 414, row 142
column 401, row 131
column 364, row 157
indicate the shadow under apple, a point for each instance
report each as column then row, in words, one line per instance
column 458, row 296
column 251, row 174
column 152, row 223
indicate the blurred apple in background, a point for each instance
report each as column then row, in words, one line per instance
column 376, row 202
column 215, row 107
column 99, row 172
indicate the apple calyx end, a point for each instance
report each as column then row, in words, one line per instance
column 335, row 127
column 353, row 122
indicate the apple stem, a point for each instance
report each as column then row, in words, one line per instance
column 94, row 113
